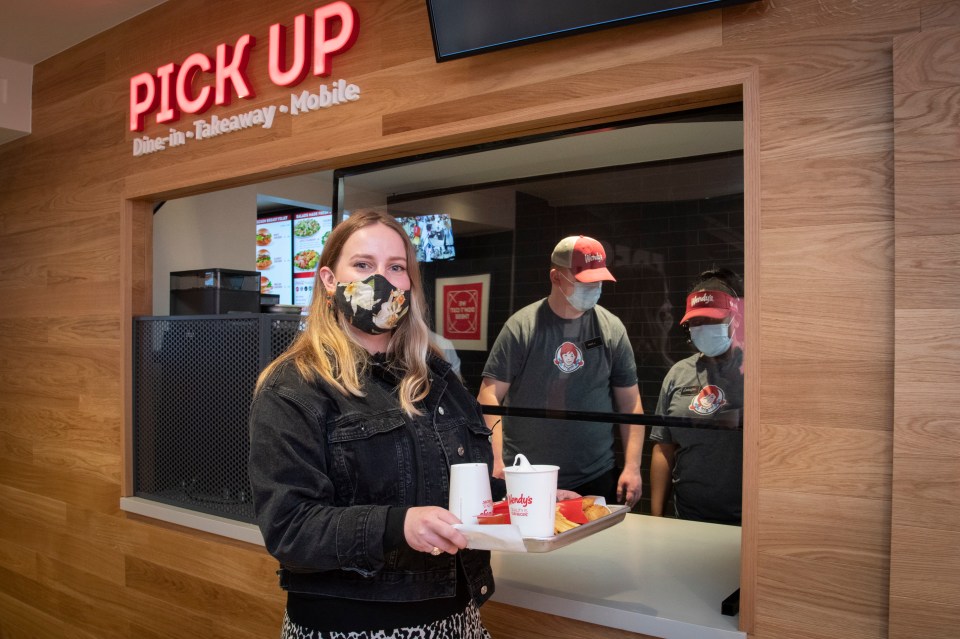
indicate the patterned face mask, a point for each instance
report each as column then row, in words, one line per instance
column 373, row 305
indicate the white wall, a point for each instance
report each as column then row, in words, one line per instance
column 16, row 99
column 216, row 230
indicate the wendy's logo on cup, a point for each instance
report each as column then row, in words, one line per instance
column 520, row 500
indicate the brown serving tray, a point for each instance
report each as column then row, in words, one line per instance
column 546, row 544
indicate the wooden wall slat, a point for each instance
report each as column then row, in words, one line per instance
column 924, row 126
column 940, row 14
column 765, row 22
column 826, row 462
column 791, row 595
column 825, row 125
column 22, row 621
column 510, row 622
column 926, row 477
column 844, row 189
column 930, row 270
column 798, row 525
column 32, row 508
column 927, row 494
column 918, row 618
column 87, row 555
column 926, row 199
column 935, row 62
column 926, row 551
column 238, row 565
column 819, row 383
column 199, row 595
column 19, row 560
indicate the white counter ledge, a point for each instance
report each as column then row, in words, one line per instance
column 661, row 577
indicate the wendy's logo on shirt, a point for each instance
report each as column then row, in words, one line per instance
column 709, row 400
column 568, row 358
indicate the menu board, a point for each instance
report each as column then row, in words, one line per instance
column 274, row 244
column 310, row 232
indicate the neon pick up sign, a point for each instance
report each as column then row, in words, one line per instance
column 201, row 81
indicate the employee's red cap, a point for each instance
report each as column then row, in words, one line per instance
column 584, row 256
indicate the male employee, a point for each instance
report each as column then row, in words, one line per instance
column 565, row 352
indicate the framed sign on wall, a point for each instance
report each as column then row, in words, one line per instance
column 462, row 311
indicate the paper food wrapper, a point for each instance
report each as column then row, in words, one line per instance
column 505, row 537
column 502, row 537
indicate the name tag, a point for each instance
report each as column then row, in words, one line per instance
column 593, row 343
column 688, row 390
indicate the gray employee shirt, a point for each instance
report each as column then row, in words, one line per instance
column 708, row 464
column 556, row 363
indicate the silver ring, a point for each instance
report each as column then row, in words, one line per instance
column 436, row 551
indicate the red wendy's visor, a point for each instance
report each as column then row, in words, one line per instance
column 711, row 304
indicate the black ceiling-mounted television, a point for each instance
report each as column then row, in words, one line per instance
column 467, row 27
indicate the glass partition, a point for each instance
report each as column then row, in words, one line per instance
column 664, row 198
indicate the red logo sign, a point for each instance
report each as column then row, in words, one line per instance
column 461, row 310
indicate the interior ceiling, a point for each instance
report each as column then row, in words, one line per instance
column 579, row 152
column 33, row 30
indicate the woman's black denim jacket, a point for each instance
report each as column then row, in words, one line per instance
column 327, row 468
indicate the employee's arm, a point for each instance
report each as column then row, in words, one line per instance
column 491, row 393
column 661, row 476
column 630, row 485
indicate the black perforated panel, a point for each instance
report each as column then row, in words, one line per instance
column 193, row 381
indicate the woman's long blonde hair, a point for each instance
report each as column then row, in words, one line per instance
column 325, row 349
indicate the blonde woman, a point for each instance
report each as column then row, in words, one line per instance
column 352, row 434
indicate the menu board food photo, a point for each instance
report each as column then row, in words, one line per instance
column 310, row 232
column 273, row 245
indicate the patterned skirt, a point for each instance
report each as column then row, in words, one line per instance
column 461, row 625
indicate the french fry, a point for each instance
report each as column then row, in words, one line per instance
column 562, row 524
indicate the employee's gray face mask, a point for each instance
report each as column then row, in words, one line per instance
column 711, row 339
column 584, row 296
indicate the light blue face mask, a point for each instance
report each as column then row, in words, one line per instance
column 584, row 296
column 711, row 339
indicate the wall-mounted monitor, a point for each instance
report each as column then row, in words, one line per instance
column 467, row 27
column 432, row 235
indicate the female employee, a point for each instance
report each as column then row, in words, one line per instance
column 702, row 467
column 352, row 433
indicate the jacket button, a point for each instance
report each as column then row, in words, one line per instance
column 440, row 410
column 460, row 451
column 483, row 590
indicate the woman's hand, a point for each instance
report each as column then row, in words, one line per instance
column 563, row 495
column 430, row 527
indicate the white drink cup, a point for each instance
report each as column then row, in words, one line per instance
column 532, row 496
column 470, row 492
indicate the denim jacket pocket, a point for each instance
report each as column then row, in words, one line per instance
column 465, row 440
column 359, row 444
column 481, row 449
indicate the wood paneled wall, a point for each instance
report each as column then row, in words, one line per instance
column 76, row 262
column 924, row 555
